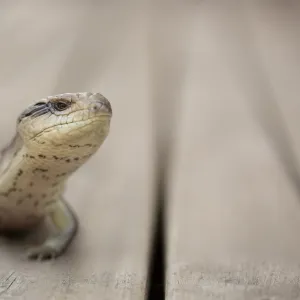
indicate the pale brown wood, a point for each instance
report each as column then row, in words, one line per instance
column 186, row 71
column 234, row 204
column 50, row 47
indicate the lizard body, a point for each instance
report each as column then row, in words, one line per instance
column 55, row 136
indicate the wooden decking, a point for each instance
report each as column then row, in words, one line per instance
column 213, row 88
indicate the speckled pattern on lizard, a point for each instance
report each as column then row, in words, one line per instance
column 54, row 137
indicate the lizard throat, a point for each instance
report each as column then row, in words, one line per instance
column 40, row 175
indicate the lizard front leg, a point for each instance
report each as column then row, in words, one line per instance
column 63, row 220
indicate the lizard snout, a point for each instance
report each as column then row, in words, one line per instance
column 100, row 104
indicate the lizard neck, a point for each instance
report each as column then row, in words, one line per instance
column 39, row 172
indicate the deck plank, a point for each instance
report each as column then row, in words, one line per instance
column 233, row 207
column 54, row 47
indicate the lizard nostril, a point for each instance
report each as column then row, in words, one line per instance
column 101, row 106
column 95, row 107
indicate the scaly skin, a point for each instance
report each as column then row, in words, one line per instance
column 55, row 136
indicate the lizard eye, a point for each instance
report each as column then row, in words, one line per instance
column 61, row 105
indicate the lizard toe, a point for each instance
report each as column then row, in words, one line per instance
column 43, row 252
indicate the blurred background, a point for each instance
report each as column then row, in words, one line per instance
column 205, row 96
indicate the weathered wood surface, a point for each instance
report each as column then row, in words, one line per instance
column 234, row 202
column 49, row 47
column 204, row 75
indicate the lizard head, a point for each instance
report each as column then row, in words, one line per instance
column 67, row 120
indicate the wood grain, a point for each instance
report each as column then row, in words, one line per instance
column 54, row 47
column 233, row 207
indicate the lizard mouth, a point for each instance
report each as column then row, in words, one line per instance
column 89, row 125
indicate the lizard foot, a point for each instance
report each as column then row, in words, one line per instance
column 43, row 252
column 65, row 223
